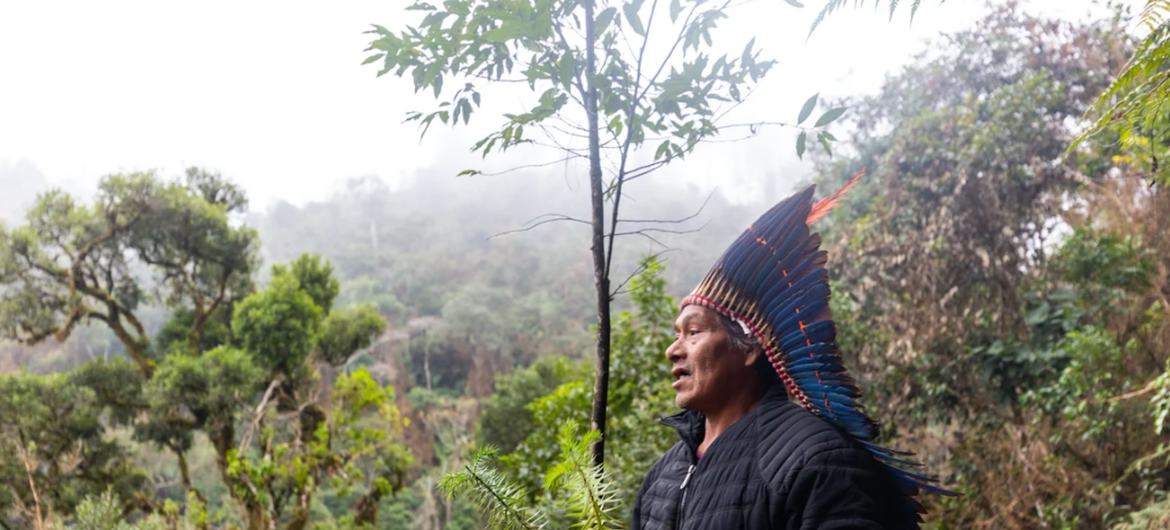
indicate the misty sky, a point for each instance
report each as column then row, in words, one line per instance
column 272, row 94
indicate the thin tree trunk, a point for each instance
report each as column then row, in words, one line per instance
column 26, row 459
column 184, row 469
column 133, row 347
column 427, row 365
column 600, row 278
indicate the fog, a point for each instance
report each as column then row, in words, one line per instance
column 273, row 95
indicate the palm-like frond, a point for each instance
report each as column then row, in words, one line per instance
column 835, row 5
column 592, row 500
column 502, row 501
column 1136, row 101
column 1154, row 14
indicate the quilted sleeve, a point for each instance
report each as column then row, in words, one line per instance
column 636, row 522
column 843, row 488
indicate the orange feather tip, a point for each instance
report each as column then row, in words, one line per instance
column 822, row 207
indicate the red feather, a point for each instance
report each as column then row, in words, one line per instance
column 822, row 207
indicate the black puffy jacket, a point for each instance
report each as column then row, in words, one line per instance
column 779, row 467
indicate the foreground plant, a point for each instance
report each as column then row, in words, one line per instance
column 576, row 492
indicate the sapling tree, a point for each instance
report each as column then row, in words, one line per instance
column 620, row 88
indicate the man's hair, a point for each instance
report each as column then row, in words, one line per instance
column 744, row 341
column 741, row 339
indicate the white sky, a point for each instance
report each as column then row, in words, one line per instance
column 273, row 95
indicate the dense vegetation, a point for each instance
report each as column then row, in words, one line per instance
column 1004, row 299
column 1008, row 304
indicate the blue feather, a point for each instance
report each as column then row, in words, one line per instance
column 774, row 269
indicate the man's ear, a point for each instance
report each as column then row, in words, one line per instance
column 753, row 356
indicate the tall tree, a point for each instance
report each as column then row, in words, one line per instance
column 239, row 366
column 74, row 263
column 606, row 86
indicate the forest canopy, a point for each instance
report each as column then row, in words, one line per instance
column 384, row 358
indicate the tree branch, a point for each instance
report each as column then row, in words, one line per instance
column 258, row 414
column 679, row 220
column 531, row 166
column 25, row 458
column 637, row 271
column 555, row 218
column 625, row 149
column 642, row 231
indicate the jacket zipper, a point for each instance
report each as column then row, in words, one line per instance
column 682, row 503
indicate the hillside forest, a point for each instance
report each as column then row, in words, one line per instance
column 388, row 358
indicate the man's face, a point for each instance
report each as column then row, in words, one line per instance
column 707, row 368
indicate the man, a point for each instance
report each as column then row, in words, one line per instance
column 771, row 435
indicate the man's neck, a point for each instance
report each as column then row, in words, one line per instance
column 722, row 419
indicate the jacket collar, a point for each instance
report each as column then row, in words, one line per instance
column 691, row 425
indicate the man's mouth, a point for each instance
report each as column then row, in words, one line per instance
column 680, row 373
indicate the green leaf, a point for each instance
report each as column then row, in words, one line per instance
column 800, row 146
column 465, row 107
column 373, row 58
column 825, row 143
column 747, row 58
column 468, row 173
column 829, row 116
column 604, row 18
column 675, row 9
column 663, row 150
column 807, row 108
column 566, row 69
column 794, row 3
column 508, row 30
column 631, row 11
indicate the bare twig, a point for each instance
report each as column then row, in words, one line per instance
column 646, row 168
column 618, row 290
column 539, row 223
column 670, row 54
column 568, row 132
column 246, row 440
column 571, row 156
column 758, row 124
column 500, row 79
column 630, row 128
column 647, row 236
column 26, row 459
column 675, row 221
column 641, row 231
column 556, row 141
column 1150, row 387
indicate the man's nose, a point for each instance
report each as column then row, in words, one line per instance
column 674, row 351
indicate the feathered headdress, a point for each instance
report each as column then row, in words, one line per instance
column 772, row 280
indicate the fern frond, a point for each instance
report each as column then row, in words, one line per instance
column 1137, row 98
column 502, row 501
column 914, row 8
column 592, row 497
column 1154, row 13
column 832, row 6
column 829, row 7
